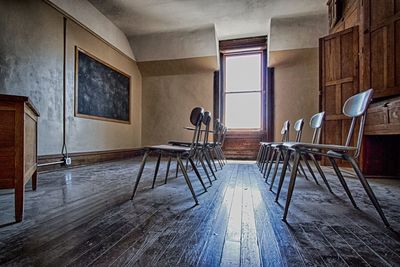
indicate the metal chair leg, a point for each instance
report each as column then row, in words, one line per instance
column 321, row 173
column 177, row 170
column 268, row 170
column 156, row 171
column 185, row 175
column 303, row 157
column 291, row 184
column 301, row 170
column 205, row 169
column 283, row 174
column 140, row 173
column 168, row 165
column 197, row 174
column 342, row 181
column 276, row 169
column 367, row 189
column 209, row 164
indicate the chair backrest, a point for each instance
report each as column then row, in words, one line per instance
column 285, row 131
column 206, row 122
column 298, row 127
column 356, row 108
column 316, row 122
column 196, row 117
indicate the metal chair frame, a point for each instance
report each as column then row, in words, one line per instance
column 179, row 152
column 356, row 108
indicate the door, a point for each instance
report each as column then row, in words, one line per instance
column 382, row 47
column 339, row 79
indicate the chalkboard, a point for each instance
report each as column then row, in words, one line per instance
column 101, row 91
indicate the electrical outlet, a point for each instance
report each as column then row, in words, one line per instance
column 67, row 161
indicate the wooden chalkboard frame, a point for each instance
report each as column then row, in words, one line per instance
column 76, row 88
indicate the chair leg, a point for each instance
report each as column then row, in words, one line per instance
column 168, row 165
column 291, row 184
column 140, row 173
column 268, row 170
column 368, row 189
column 156, row 171
column 309, row 168
column 321, row 173
column 197, row 174
column 177, row 169
column 185, row 175
column 301, row 170
column 205, row 168
column 209, row 164
column 266, row 158
column 283, row 174
column 342, row 181
column 278, row 159
column 207, row 150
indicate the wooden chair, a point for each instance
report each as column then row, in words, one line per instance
column 179, row 152
column 356, row 108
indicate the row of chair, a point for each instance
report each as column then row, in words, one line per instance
column 199, row 151
column 271, row 153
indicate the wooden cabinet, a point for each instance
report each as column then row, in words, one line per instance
column 384, row 118
column 18, row 147
column 382, row 47
column 339, row 79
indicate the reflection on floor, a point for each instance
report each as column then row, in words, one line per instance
column 83, row 217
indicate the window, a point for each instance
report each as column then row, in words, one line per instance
column 243, row 87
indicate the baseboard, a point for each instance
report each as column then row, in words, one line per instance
column 86, row 158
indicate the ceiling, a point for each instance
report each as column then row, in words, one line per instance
column 232, row 18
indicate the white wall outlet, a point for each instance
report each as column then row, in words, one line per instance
column 67, row 161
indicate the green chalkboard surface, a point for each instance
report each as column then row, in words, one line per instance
column 101, row 91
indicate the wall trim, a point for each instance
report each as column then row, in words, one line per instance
column 86, row 158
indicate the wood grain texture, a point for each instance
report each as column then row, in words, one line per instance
column 83, row 217
column 18, row 159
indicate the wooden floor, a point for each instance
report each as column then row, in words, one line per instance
column 83, row 217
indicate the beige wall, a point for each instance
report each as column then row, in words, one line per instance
column 170, row 95
column 296, row 88
column 89, row 134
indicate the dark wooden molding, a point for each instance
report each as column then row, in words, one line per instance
column 86, row 158
column 243, row 43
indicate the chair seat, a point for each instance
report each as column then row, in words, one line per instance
column 336, row 148
column 169, row 148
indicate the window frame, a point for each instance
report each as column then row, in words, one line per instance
column 261, row 53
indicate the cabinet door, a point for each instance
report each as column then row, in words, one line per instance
column 382, row 47
column 339, row 79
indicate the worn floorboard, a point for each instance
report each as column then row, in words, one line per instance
column 83, row 217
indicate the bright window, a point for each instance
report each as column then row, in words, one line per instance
column 243, row 90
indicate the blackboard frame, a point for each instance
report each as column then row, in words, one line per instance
column 76, row 88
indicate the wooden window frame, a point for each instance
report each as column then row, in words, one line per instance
column 247, row 46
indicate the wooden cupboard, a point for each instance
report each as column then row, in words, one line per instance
column 18, row 147
column 377, row 65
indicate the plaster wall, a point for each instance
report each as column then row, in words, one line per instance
column 89, row 134
column 31, row 64
column 296, row 88
column 84, row 12
column 293, row 53
column 297, row 32
column 175, row 45
column 167, row 103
